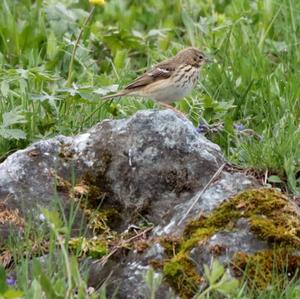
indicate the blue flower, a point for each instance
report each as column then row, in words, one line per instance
column 10, row 281
column 202, row 128
column 239, row 127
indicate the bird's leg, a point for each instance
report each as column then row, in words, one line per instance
column 165, row 105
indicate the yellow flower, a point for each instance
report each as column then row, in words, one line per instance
column 97, row 2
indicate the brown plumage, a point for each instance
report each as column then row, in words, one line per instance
column 169, row 80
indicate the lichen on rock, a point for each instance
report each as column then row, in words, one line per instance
column 271, row 217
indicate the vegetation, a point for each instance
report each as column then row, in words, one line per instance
column 271, row 217
column 251, row 90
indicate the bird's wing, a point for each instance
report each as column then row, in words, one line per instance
column 163, row 70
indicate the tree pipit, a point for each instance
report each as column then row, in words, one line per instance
column 168, row 81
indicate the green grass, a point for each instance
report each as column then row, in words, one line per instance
column 253, row 81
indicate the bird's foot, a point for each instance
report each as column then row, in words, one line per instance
column 165, row 105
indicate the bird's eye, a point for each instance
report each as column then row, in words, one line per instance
column 201, row 57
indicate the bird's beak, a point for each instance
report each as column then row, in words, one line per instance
column 209, row 60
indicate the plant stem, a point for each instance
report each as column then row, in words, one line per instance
column 67, row 264
column 69, row 79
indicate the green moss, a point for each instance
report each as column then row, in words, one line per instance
column 182, row 275
column 200, row 235
column 267, row 267
column 94, row 247
column 272, row 217
column 269, row 230
column 62, row 185
column 170, row 244
column 102, row 220
column 94, row 187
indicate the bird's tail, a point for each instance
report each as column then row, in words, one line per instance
column 115, row 95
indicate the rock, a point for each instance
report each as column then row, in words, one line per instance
column 242, row 228
column 254, row 227
column 149, row 169
column 129, row 274
column 228, row 184
column 146, row 164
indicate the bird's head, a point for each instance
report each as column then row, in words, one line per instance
column 192, row 56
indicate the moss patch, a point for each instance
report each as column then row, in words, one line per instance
column 65, row 153
column 95, row 187
column 94, row 247
column 272, row 217
column 102, row 220
column 177, row 180
column 11, row 216
column 266, row 267
column 62, row 185
column 181, row 274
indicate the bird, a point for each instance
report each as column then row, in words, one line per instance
column 169, row 80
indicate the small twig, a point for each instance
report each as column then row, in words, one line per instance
column 200, row 193
column 121, row 244
column 266, row 177
column 69, row 79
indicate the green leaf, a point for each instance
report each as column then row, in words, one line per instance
column 23, row 73
column 13, row 294
column 60, row 10
column 189, row 25
column 106, row 90
column 153, row 280
column 149, row 277
column 23, row 86
column 15, row 116
column 3, row 285
column 75, row 272
column 81, row 293
column 47, row 287
column 4, row 88
column 274, row 179
column 229, row 286
column 44, row 97
column 102, row 292
column 36, row 268
column 36, row 289
column 12, row 133
column 52, row 48
column 53, row 217
column 213, row 275
column 207, row 272
column 119, row 59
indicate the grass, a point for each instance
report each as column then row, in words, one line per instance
column 253, row 81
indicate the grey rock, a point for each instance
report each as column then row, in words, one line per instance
column 127, row 278
column 152, row 164
column 227, row 185
column 224, row 244
column 147, row 163
column 130, row 274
